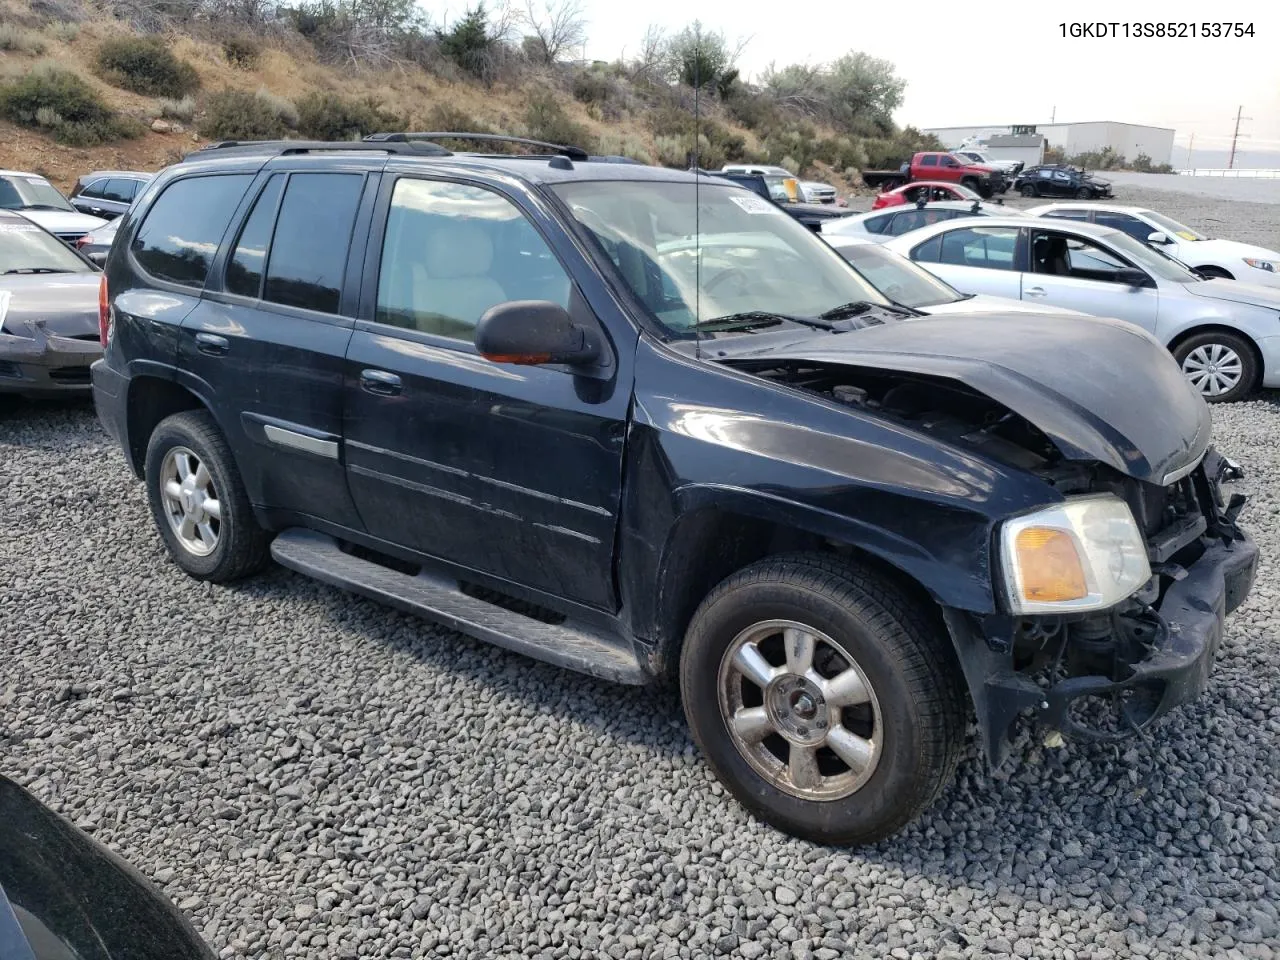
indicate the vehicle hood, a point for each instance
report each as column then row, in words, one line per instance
column 66, row 302
column 982, row 167
column 1236, row 291
column 1128, row 406
column 815, row 185
column 63, row 221
column 985, row 305
column 1227, row 249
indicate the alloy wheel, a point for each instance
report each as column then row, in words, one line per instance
column 191, row 502
column 800, row 710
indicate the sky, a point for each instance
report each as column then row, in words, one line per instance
column 964, row 65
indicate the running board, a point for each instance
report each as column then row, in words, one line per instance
column 436, row 598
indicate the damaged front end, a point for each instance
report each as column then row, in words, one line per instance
column 1107, row 675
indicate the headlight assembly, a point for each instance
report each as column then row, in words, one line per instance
column 1267, row 265
column 1086, row 553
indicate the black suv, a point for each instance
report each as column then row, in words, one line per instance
column 1061, row 180
column 643, row 424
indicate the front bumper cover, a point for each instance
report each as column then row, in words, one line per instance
column 1186, row 629
column 44, row 364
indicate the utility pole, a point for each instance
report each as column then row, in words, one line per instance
column 1190, row 147
column 1236, row 136
column 1053, row 113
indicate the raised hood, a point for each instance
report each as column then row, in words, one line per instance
column 1099, row 389
column 63, row 221
column 66, row 302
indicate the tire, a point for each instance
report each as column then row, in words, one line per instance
column 1029, row 190
column 1206, row 350
column 1084, row 193
column 239, row 546
column 917, row 707
column 1215, row 273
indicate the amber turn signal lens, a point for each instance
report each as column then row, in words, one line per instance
column 1050, row 566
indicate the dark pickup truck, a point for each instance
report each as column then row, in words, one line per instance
column 940, row 165
column 812, row 215
column 646, row 426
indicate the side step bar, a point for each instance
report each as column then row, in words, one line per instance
column 436, row 598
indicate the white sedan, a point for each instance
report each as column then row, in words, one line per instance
column 1212, row 256
column 889, row 222
column 1224, row 334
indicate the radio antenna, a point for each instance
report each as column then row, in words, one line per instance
column 697, row 205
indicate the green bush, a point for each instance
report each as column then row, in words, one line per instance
column 618, row 144
column 14, row 39
column 146, row 66
column 591, row 86
column 182, row 109
column 1143, row 164
column 328, row 116
column 56, row 101
column 236, row 115
column 546, row 120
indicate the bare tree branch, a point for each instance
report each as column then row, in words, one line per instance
column 557, row 26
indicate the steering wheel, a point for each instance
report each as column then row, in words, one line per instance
column 722, row 276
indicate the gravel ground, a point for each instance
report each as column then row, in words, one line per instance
column 308, row 774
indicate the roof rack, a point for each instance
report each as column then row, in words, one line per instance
column 286, row 147
column 573, row 153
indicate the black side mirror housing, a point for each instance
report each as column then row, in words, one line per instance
column 1134, row 278
column 534, row 333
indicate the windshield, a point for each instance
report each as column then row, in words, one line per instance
column 1173, row 227
column 898, row 278
column 25, row 248
column 753, row 256
column 21, row 193
column 1153, row 261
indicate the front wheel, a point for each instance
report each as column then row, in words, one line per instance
column 199, row 502
column 824, row 697
column 1220, row 365
column 1084, row 193
column 1029, row 190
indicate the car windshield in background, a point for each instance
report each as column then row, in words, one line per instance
column 27, row 193
column 1173, row 227
column 754, row 257
column 898, row 278
column 1153, row 261
column 25, row 248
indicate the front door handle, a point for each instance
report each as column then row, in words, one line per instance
column 380, row 382
column 211, row 344
column 1033, row 292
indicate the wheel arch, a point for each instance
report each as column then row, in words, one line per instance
column 716, row 540
column 1183, row 336
column 150, row 400
column 1214, row 270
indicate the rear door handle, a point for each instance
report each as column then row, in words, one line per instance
column 211, row 344
column 380, row 382
column 1033, row 292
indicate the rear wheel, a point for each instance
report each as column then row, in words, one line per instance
column 823, row 697
column 1220, row 365
column 199, row 502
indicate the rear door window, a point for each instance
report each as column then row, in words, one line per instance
column 929, row 161
column 97, row 190
column 181, row 231
column 313, row 232
column 989, row 247
column 1126, row 223
column 245, row 269
column 118, row 190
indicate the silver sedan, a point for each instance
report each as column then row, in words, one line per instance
column 1224, row 334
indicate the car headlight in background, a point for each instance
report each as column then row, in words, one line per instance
column 1086, row 553
column 1267, row 265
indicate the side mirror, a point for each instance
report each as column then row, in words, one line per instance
column 1158, row 237
column 532, row 333
column 1131, row 277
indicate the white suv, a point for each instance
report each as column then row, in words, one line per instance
column 810, row 190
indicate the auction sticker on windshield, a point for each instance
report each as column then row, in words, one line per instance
column 755, row 205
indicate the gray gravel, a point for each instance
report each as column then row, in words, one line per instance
column 308, row 774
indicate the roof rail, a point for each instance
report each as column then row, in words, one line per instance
column 286, row 147
column 573, row 153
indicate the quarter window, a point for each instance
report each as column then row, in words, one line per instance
column 878, row 224
column 313, row 232
column 452, row 251
column 182, row 229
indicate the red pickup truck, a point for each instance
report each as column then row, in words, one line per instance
column 940, row 165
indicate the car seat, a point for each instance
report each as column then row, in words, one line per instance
column 452, row 287
column 1050, row 255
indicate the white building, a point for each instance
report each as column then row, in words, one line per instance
column 1126, row 139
